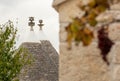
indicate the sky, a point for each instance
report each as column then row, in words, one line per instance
column 19, row 12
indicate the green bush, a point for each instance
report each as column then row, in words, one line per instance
column 12, row 60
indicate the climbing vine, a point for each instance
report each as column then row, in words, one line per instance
column 80, row 30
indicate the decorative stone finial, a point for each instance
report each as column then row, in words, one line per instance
column 40, row 25
column 31, row 23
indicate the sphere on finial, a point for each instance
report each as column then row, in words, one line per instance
column 31, row 23
column 40, row 21
column 40, row 24
column 31, row 18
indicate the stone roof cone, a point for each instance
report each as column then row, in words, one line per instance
column 45, row 65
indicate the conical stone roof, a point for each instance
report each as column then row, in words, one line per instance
column 45, row 66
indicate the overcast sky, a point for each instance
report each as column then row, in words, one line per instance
column 20, row 10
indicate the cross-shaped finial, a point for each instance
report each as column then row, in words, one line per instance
column 40, row 25
column 31, row 23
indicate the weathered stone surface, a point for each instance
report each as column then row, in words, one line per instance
column 116, row 73
column 45, row 65
column 46, row 45
column 57, row 2
column 114, row 32
column 80, row 50
column 108, row 16
column 82, row 64
column 85, row 63
column 115, row 53
column 63, row 32
column 116, row 6
column 69, row 10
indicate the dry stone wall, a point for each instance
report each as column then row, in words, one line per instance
column 85, row 63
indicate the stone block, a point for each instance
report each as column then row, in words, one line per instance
column 69, row 10
column 114, row 32
column 116, row 6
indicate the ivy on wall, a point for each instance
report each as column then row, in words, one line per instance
column 79, row 30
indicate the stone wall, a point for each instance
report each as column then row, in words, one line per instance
column 85, row 63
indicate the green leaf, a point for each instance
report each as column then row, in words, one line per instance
column 11, row 60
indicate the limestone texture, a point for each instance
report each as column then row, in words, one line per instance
column 85, row 63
